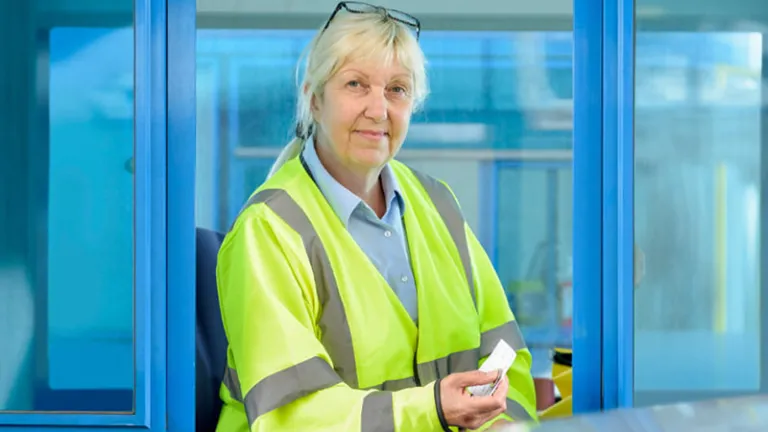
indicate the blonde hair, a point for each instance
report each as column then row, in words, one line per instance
column 352, row 36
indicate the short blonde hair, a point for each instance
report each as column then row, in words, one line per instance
column 352, row 36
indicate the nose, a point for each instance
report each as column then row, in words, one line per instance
column 376, row 105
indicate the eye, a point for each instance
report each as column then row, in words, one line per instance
column 399, row 90
column 354, row 84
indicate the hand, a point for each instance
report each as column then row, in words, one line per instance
column 464, row 410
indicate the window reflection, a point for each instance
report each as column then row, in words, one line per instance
column 533, row 252
column 697, row 199
column 66, row 281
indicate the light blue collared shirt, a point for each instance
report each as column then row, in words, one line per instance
column 383, row 240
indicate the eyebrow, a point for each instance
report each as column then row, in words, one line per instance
column 396, row 76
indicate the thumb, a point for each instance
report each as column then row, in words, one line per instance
column 477, row 377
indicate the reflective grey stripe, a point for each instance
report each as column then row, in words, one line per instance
column 449, row 210
column 462, row 361
column 336, row 335
column 516, row 411
column 509, row 331
column 284, row 387
column 378, row 413
column 232, row 384
column 468, row 360
column 395, row 385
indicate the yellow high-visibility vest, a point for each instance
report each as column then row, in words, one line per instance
column 318, row 341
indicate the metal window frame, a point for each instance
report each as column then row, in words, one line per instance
column 164, row 127
column 603, row 204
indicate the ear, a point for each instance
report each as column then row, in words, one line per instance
column 313, row 104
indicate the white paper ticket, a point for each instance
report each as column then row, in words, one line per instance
column 501, row 359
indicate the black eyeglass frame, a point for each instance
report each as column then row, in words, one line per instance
column 390, row 13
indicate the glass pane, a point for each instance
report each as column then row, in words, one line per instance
column 66, row 219
column 497, row 127
column 698, row 200
column 534, row 253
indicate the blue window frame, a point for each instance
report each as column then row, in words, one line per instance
column 163, row 167
column 587, row 206
column 127, row 397
column 603, row 204
column 180, row 133
column 618, row 198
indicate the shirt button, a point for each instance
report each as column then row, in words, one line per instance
column 404, row 278
column 387, row 233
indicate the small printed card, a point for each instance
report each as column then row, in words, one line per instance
column 501, row 359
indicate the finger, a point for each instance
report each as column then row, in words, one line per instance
column 484, row 409
column 487, row 416
column 484, row 404
column 502, row 389
column 472, row 378
column 494, row 404
column 501, row 394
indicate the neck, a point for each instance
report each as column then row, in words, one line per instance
column 364, row 183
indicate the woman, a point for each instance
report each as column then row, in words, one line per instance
column 353, row 294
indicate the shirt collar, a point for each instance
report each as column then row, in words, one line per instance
column 341, row 199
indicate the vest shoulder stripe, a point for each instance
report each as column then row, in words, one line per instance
column 449, row 211
column 334, row 326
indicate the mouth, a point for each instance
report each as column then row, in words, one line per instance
column 372, row 134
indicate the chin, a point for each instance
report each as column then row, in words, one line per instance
column 371, row 158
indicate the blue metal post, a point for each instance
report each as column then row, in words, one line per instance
column 587, row 205
column 626, row 201
column 181, row 73
column 618, row 202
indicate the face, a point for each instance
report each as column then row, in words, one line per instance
column 364, row 113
